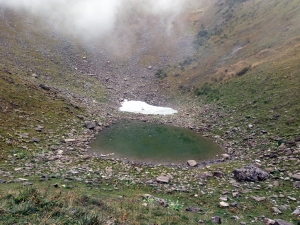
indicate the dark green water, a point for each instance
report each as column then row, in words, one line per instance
column 153, row 143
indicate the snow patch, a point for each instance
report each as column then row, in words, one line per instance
column 144, row 108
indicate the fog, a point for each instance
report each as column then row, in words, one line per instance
column 97, row 18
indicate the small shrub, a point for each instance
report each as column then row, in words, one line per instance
column 210, row 93
column 161, row 74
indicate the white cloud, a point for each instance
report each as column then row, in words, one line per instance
column 95, row 17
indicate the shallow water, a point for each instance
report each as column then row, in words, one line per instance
column 153, row 143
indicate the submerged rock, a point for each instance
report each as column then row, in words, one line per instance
column 250, row 173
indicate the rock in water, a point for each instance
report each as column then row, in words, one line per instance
column 250, row 173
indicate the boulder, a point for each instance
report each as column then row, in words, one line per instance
column 69, row 140
column 163, row 179
column 297, row 184
column 90, row 125
column 297, row 211
column 281, row 222
column 216, row 219
column 258, row 199
column 225, row 156
column 250, row 173
column 223, row 204
column 192, row 163
column 276, row 210
column 268, row 221
column 296, row 176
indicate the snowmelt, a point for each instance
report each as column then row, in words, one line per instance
column 144, row 108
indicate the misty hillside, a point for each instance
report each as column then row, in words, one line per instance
column 231, row 69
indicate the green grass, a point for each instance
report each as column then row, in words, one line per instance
column 24, row 107
column 78, row 203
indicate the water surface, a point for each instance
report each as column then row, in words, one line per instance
column 153, row 143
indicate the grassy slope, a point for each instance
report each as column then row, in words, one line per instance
column 24, row 107
column 29, row 46
column 260, row 36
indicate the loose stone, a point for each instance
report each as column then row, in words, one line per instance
column 163, row 179
column 216, row 219
column 224, row 204
column 250, row 173
column 258, row 199
column 192, row 163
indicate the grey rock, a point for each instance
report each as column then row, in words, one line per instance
column 34, row 75
column 235, row 194
column 250, row 173
column 296, row 211
column 296, row 176
column 24, row 135
column 90, row 125
column 224, row 204
column 234, row 204
column 70, row 140
column 224, row 198
column 163, row 179
column 234, row 217
column 276, row 183
column 39, row 128
column 35, row 139
column 292, row 198
column 268, row 221
column 276, row 210
column 281, row 222
column 291, row 143
column 283, row 207
column 225, row 156
column 297, row 184
column 192, row 163
column 200, row 221
column 258, row 199
column 216, row 219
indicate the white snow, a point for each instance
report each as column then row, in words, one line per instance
column 144, row 108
